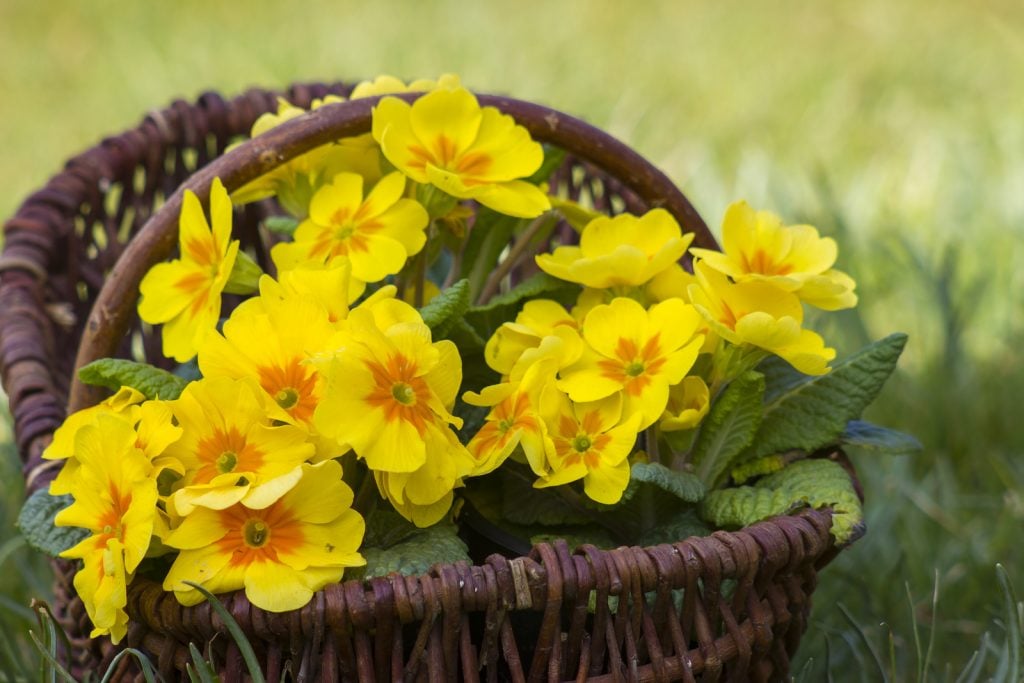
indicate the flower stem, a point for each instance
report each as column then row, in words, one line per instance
column 520, row 249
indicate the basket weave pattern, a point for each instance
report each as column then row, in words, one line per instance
column 731, row 606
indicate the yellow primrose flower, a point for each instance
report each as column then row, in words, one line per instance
column 623, row 252
column 184, row 294
column 640, row 353
column 389, row 85
column 294, row 182
column 115, row 499
column 425, row 496
column 270, row 340
column 761, row 315
column 280, row 554
column 758, row 247
column 63, row 445
column 591, row 444
column 377, row 233
column 229, row 450
column 330, row 285
column 388, row 386
column 538, row 319
column 688, row 403
column 446, row 139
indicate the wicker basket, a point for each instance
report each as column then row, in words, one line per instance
column 731, row 606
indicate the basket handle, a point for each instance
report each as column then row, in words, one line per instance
column 111, row 314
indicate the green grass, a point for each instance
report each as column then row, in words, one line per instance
column 895, row 127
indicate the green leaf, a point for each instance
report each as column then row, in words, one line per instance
column 523, row 504
column 504, row 307
column 880, row 439
column 811, row 414
column 553, row 158
column 281, row 225
column 446, row 308
column 815, row 483
column 757, row 468
column 675, row 527
column 683, row 485
column 114, row 373
column 416, row 554
column 36, row 524
column 385, row 528
column 575, row 536
column 489, row 236
column 729, row 427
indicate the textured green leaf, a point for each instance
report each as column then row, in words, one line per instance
column 815, row 483
column 757, row 468
column 385, row 528
column 446, row 308
column 675, row 527
column 683, row 485
column 36, row 524
column 729, row 427
column 880, row 439
column 114, row 373
column 416, row 554
column 813, row 413
column 525, row 505
column 504, row 307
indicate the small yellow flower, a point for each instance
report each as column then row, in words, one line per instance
column 759, row 314
column 622, row 252
column 446, row 139
column 294, row 182
column 639, row 353
column 388, row 386
column 184, row 295
column 425, row 495
column 389, row 85
column 377, row 233
column 688, row 403
column 759, row 248
column 593, row 445
column 331, row 286
column 538, row 319
column 230, row 449
column 115, row 499
column 280, row 554
column 121, row 404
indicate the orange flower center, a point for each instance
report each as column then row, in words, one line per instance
column 760, row 262
column 226, row 451
column 255, row 533
column 633, row 365
column 293, row 386
column 400, row 393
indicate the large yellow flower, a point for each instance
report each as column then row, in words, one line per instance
column 639, row 353
column 331, row 286
column 757, row 247
column 377, row 233
column 280, row 554
column 388, row 386
column 184, row 294
column 231, row 450
column 270, row 340
column 622, row 252
column 115, row 499
column 593, row 445
column 446, row 139
column 761, row 315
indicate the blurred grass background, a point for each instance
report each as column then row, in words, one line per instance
column 897, row 127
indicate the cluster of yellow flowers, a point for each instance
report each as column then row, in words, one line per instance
column 241, row 474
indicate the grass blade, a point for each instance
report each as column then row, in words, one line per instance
column 148, row 672
column 917, row 635
column 248, row 655
column 931, row 635
column 1013, row 625
column 202, row 668
column 864, row 639
column 50, row 666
